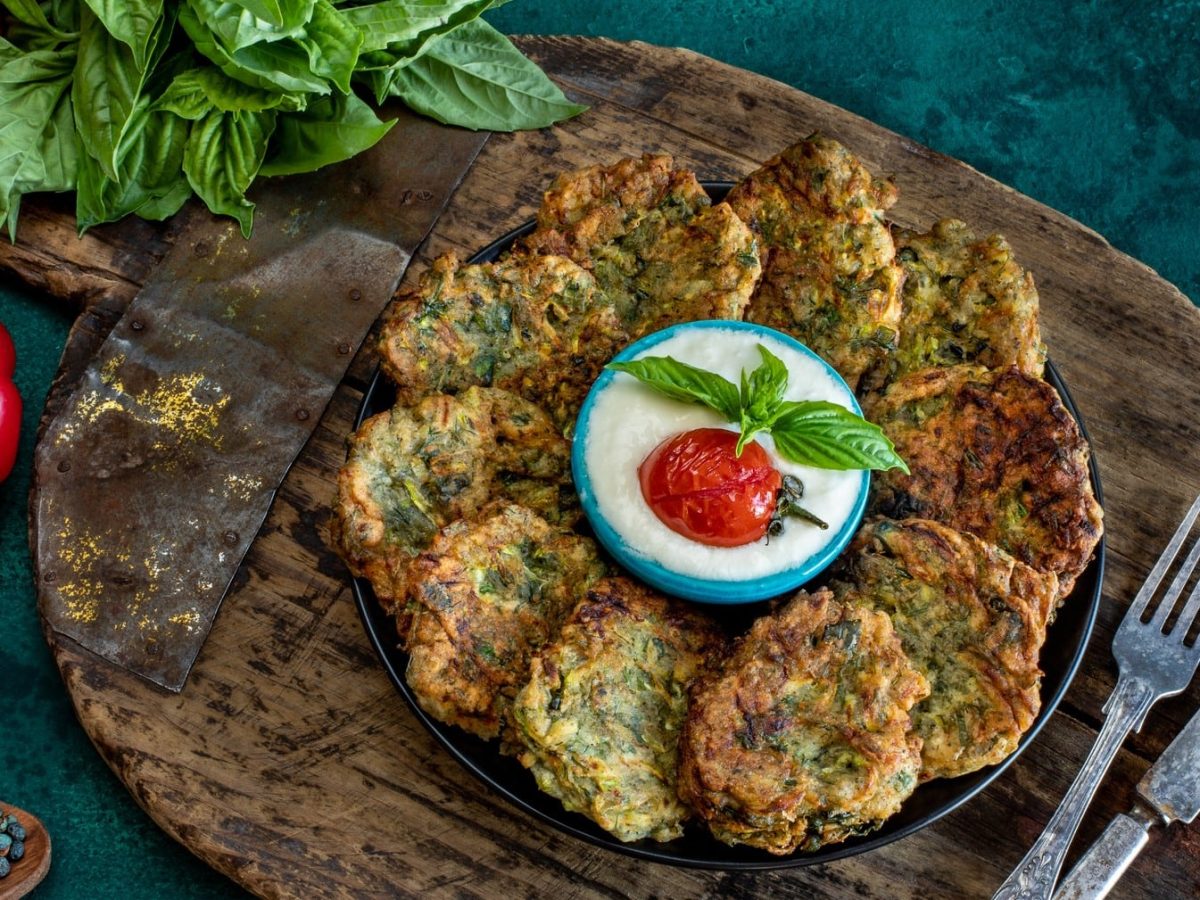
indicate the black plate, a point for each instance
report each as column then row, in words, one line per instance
column 1061, row 655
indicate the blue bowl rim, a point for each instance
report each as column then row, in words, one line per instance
column 706, row 590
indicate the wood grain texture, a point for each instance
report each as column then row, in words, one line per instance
column 290, row 763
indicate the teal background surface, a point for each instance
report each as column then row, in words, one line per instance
column 1091, row 108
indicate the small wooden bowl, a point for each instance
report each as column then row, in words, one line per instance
column 27, row 872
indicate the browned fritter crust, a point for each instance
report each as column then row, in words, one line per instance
column 410, row 472
column 971, row 619
column 483, row 598
column 993, row 453
column 588, row 209
column 533, row 325
column 657, row 248
column 966, row 300
column 831, row 278
column 601, row 714
column 803, row 737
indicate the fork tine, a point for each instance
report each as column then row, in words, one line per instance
column 1178, row 583
column 1184, row 623
column 1150, row 585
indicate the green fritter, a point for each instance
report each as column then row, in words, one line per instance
column 533, row 325
column 649, row 235
column 993, row 453
column 850, row 323
column 966, row 300
column 704, row 269
column 803, row 737
column 831, row 279
column 482, row 598
column 971, row 619
column 587, row 211
column 412, row 471
column 600, row 716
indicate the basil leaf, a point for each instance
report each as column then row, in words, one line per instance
column 59, row 149
column 133, row 22
column 475, row 78
column 194, row 93
column 282, row 14
column 238, row 28
column 681, row 381
column 333, row 45
column 330, row 130
column 37, row 152
column 767, row 383
column 222, row 156
column 760, row 394
column 405, row 27
column 104, row 91
column 279, row 65
column 152, row 183
column 29, row 13
column 828, row 436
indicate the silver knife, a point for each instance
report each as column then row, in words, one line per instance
column 1170, row 792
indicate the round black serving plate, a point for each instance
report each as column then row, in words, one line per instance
column 1061, row 655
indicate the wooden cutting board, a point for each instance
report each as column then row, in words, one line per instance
column 290, row 763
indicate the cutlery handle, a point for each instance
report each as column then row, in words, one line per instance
column 1106, row 860
column 1034, row 878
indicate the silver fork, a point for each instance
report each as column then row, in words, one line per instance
column 1153, row 663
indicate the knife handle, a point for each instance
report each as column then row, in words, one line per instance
column 1034, row 877
column 1101, row 867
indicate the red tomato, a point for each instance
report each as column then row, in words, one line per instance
column 10, row 405
column 700, row 489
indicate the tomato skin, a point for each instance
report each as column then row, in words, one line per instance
column 698, row 488
column 10, row 405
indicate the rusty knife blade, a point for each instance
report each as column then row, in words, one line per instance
column 158, row 471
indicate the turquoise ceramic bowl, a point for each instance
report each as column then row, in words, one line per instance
column 653, row 572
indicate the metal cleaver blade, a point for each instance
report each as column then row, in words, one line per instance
column 158, row 471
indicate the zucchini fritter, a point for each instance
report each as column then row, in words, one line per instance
column 588, row 213
column 803, row 737
column 972, row 620
column 412, row 471
column 536, row 326
column 830, row 279
column 601, row 714
column 965, row 301
column 993, row 453
column 483, row 597
column 704, row 269
column 649, row 235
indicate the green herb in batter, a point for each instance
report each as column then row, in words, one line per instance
column 810, row 432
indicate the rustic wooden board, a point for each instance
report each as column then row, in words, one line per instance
column 290, row 763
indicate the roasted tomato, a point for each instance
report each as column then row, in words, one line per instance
column 697, row 486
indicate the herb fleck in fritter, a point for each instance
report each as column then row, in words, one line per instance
column 803, row 737
column 830, row 279
column 601, row 714
column 993, row 453
column 972, row 620
column 483, row 597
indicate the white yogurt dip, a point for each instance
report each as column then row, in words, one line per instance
column 628, row 419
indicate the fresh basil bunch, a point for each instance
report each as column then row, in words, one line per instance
column 136, row 104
